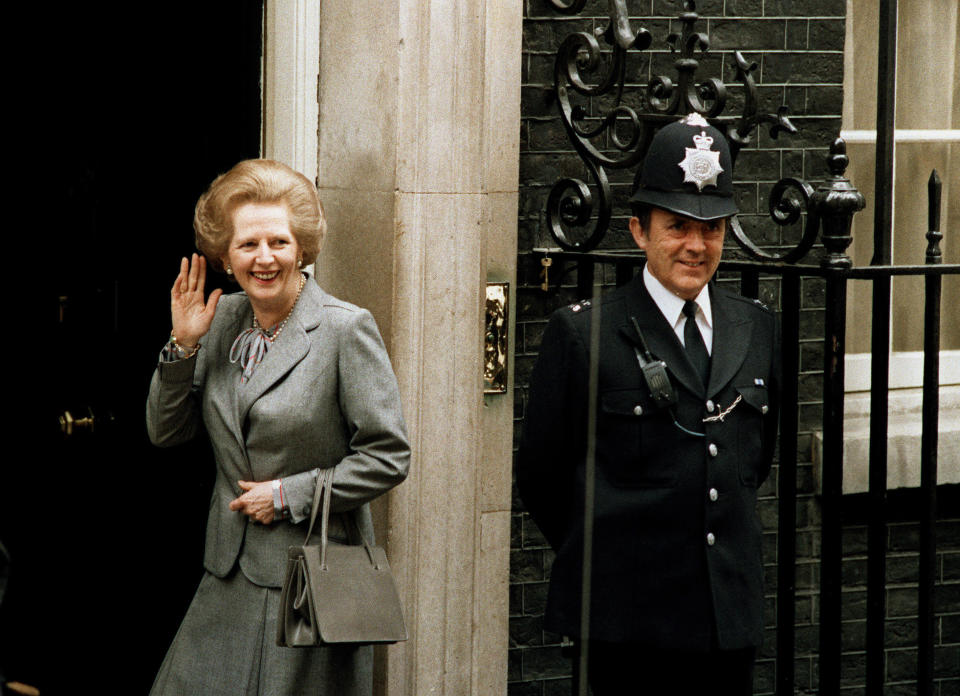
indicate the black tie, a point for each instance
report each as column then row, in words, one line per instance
column 693, row 342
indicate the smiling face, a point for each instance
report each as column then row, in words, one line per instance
column 682, row 253
column 263, row 255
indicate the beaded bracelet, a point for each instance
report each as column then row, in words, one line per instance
column 182, row 352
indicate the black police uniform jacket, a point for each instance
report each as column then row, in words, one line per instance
column 677, row 542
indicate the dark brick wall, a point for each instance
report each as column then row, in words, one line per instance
column 799, row 49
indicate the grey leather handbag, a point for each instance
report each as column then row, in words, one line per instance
column 336, row 594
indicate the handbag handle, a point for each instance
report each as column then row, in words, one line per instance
column 322, row 495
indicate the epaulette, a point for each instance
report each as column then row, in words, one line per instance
column 579, row 306
column 749, row 300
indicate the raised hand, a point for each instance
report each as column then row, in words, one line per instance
column 190, row 313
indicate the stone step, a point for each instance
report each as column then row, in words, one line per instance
column 903, row 440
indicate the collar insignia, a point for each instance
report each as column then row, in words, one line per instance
column 701, row 165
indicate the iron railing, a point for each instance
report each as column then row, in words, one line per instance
column 579, row 215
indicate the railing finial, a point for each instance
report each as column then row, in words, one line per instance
column 934, row 254
column 835, row 203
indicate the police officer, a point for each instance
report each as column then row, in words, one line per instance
column 677, row 588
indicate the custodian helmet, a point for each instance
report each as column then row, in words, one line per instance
column 688, row 170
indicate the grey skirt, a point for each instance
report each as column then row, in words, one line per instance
column 227, row 645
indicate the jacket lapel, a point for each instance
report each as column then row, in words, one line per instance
column 659, row 335
column 292, row 346
column 732, row 332
column 224, row 377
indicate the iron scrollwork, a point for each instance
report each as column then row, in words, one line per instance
column 572, row 7
column 707, row 98
column 784, row 210
column 571, row 202
column 578, row 213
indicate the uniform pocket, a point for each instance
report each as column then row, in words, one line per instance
column 631, row 442
column 755, row 402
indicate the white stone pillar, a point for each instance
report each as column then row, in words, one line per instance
column 418, row 151
column 291, row 56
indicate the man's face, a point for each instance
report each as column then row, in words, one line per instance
column 682, row 253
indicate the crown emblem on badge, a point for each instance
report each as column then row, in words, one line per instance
column 701, row 165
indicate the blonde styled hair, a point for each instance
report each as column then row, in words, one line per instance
column 258, row 181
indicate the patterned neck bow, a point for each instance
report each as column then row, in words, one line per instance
column 251, row 345
column 249, row 349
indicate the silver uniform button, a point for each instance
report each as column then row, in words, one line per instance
column 764, row 408
column 712, row 449
column 710, row 406
column 638, row 410
column 713, row 494
column 711, row 540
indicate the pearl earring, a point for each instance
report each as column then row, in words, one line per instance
column 229, row 270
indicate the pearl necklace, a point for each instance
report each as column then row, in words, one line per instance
column 276, row 334
column 250, row 347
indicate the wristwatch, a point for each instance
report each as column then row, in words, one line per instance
column 280, row 509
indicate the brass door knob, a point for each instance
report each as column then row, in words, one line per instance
column 68, row 423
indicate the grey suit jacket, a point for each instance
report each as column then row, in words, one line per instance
column 325, row 395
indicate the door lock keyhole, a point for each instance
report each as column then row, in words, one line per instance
column 68, row 424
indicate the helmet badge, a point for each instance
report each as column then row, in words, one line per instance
column 701, row 165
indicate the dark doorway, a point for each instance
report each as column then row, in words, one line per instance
column 124, row 114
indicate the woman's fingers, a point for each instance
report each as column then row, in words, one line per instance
column 212, row 302
column 190, row 284
column 201, row 273
column 192, row 276
column 256, row 502
column 194, row 273
column 178, row 284
column 240, row 502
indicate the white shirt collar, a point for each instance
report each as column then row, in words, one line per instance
column 671, row 305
